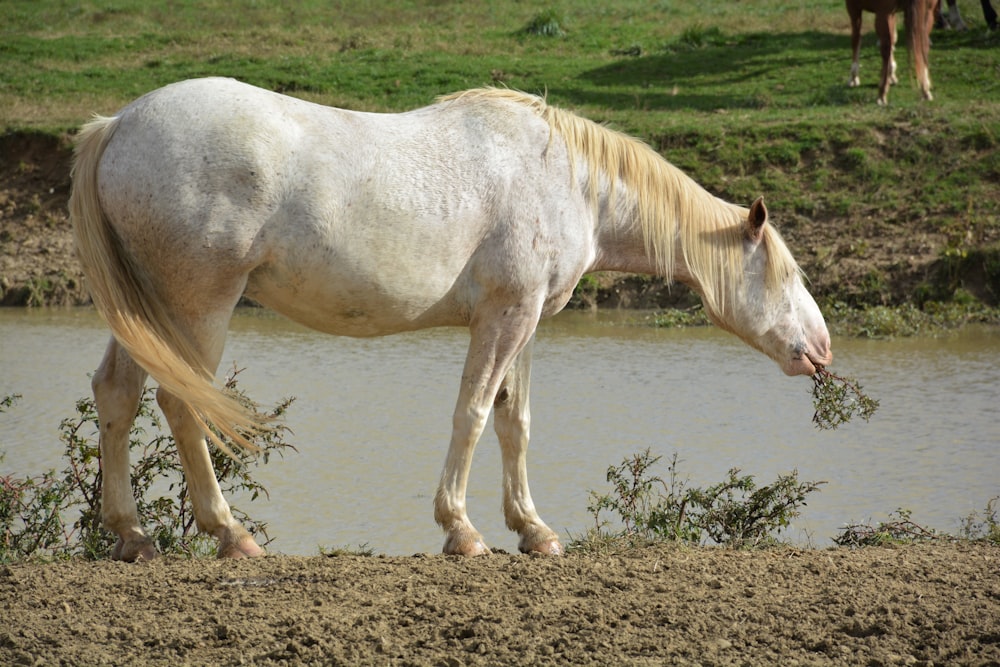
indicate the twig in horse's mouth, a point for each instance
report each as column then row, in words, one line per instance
column 838, row 399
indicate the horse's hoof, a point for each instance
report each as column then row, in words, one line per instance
column 469, row 547
column 550, row 547
column 235, row 542
column 134, row 551
column 239, row 551
column 242, row 548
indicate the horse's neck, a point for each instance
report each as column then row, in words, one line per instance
column 621, row 244
column 622, row 236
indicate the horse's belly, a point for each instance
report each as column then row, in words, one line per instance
column 345, row 307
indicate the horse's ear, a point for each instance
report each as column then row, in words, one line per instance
column 756, row 219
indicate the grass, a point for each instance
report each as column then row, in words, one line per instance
column 748, row 97
column 882, row 322
column 757, row 60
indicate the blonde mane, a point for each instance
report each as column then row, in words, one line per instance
column 669, row 204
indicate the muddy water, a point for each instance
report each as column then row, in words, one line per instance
column 372, row 419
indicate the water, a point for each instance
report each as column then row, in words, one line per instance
column 372, row 420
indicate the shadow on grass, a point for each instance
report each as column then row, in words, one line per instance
column 706, row 70
column 713, row 71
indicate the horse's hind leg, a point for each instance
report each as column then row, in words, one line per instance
column 511, row 420
column 924, row 74
column 117, row 387
column 855, row 15
column 885, row 25
column 211, row 511
column 893, row 37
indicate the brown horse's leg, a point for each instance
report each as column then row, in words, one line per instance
column 117, row 387
column 511, row 420
column 894, row 34
column 855, row 14
column 925, row 46
column 885, row 26
column 919, row 23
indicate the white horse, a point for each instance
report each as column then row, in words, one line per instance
column 483, row 210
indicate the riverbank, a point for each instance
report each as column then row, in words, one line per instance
column 883, row 267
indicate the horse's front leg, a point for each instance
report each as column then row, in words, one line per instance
column 117, row 387
column 211, row 511
column 461, row 537
column 498, row 334
column 885, row 25
column 512, row 420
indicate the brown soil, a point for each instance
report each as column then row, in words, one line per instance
column 37, row 262
column 926, row 604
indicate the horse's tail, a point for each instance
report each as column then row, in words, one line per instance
column 138, row 319
column 915, row 16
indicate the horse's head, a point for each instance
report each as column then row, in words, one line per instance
column 773, row 311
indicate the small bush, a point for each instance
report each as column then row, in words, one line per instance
column 31, row 520
column 738, row 514
column 58, row 515
column 734, row 513
column 649, row 508
column 984, row 528
column 899, row 529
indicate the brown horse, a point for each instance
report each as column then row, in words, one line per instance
column 918, row 19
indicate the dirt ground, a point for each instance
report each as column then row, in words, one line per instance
column 926, row 604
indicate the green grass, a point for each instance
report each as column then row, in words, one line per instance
column 767, row 61
column 748, row 97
